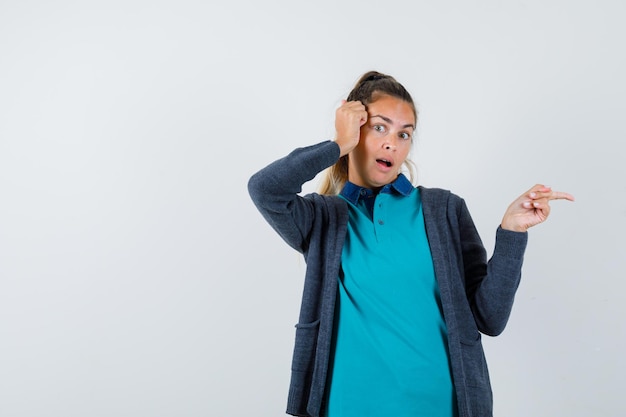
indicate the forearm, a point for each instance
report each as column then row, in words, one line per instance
column 284, row 178
column 493, row 299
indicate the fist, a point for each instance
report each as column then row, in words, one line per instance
column 349, row 118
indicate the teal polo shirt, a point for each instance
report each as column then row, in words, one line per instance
column 390, row 354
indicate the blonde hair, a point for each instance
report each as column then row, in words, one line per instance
column 367, row 89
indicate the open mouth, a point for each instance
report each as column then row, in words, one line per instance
column 384, row 162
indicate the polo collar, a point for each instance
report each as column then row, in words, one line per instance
column 353, row 193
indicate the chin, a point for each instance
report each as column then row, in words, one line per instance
column 381, row 182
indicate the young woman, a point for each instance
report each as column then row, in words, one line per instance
column 397, row 289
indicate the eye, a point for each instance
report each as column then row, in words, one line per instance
column 404, row 135
column 379, row 128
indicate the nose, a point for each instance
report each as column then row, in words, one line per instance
column 389, row 144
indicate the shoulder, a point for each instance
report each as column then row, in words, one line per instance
column 439, row 196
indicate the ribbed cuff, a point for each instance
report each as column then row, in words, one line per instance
column 510, row 244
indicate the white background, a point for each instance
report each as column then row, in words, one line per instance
column 137, row 278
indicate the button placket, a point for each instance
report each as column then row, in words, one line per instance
column 380, row 214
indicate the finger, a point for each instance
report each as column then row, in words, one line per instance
column 541, row 208
column 540, row 188
column 540, row 194
column 347, row 104
column 355, row 103
column 364, row 117
column 540, row 191
column 560, row 195
column 536, row 204
column 356, row 108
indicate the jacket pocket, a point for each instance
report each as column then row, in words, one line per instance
column 474, row 362
column 305, row 346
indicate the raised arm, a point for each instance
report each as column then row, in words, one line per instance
column 275, row 190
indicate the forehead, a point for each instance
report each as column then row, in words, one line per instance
column 396, row 109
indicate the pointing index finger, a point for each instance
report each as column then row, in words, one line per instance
column 560, row 195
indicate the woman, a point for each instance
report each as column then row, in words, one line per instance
column 397, row 288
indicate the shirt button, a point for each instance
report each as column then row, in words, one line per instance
column 363, row 192
column 380, row 222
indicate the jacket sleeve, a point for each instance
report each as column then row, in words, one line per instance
column 491, row 286
column 275, row 191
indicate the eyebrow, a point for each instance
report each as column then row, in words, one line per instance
column 388, row 120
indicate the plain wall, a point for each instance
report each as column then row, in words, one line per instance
column 136, row 276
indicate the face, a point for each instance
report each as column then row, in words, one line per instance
column 385, row 142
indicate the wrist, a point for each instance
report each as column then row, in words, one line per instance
column 513, row 227
column 344, row 148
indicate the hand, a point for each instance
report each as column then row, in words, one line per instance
column 348, row 121
column 531, row 208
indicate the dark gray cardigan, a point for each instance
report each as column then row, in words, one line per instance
column 477, row 296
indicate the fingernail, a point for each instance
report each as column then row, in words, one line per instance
column 533, row 195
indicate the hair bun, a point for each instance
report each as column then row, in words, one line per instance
column 374, row 76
